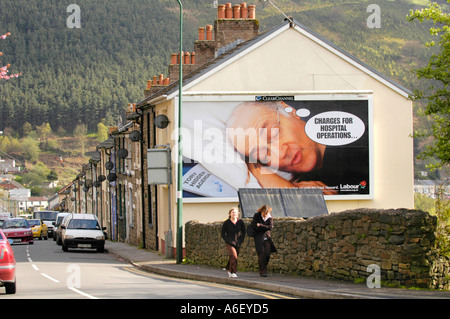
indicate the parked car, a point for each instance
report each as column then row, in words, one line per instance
column 82, row 231
column 7, row 265
column 57, row 224
column 18, row 229
column 39, row 228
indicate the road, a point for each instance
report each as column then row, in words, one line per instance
column 44, row 271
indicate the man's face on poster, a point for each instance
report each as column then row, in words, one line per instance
column 272, row 137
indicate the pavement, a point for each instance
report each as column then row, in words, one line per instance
column 301, row 287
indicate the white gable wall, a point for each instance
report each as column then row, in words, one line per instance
column 287, row 63
column 290, row 62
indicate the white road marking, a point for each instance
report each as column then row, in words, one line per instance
column 48, row 277
column 82, row 293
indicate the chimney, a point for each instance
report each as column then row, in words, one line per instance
column 241, row 25
column 234, row 24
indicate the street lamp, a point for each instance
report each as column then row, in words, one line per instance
column 180, row 150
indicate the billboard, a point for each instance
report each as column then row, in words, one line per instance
column 316, row 142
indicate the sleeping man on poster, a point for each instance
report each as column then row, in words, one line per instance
column 311, row 143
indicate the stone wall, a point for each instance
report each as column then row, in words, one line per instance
column 339, row 246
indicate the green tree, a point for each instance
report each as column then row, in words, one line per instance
column 27, row 129
column 52, row 176
column 80, row 132
column 102, row 132
column 43, row 130
column 438, row 95
column 30, row 149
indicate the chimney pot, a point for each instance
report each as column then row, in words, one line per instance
column 155, row 80
column 228, row 11
column 149, row 84
column 160, row 80
column 221, row 11
column 244, row 10
column 237, row 11
column 209, row 29
column 173, row 58
column 192, row 57
column 201, row 33
column 251, row 12
column 187, row 58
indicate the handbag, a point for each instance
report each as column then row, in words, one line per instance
column 251, row 231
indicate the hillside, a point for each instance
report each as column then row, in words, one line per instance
column 84, row 75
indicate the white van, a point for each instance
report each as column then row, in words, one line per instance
column 82, row 231
column 57, row 224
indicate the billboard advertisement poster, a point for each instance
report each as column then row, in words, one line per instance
column 321, row 142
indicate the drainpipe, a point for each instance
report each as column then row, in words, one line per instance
column 141, row 119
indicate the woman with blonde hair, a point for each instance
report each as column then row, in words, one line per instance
column 233, row 233
column 263, row 223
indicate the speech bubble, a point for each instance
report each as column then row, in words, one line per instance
column 335, row 128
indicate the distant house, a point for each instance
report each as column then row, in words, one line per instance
column 8, row 166
column 33, row 203
column 429, row 188
column 16, row 191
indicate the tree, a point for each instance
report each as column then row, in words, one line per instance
column 80, row 132
column 43, row 130
column 438, row 70
column 102, row 132
column 52, row 176
column 4, row 69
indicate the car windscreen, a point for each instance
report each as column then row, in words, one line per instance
column 34, row 222
column 45, row 215
column 83, row 224
column 59, row 220
column 15, row 223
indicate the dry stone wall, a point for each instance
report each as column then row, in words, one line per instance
column 349, row 245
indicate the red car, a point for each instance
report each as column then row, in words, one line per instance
column 18, row 230
column 7, row 265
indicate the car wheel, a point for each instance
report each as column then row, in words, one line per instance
column 10, row 288
column 64, row 248
column 101, row 249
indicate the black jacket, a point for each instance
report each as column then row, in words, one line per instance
column 233, row 234
column 263, row 232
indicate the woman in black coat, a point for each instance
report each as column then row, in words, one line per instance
column 233, row 233
column 263, row 223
